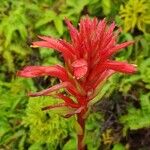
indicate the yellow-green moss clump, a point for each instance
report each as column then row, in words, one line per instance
column 45, row 127
column 135, row 14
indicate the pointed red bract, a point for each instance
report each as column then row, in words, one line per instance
column 54, row 106
column 37, row 71
column 106, row 53
column 77, row 111
column 121, row 66
column 51, row 89
column 73, row 32
column 88, row 63
column 68, row 100
column 55, row 44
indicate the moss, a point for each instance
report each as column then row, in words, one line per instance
column 46, row 127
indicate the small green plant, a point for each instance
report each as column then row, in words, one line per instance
column 135, row 13
column 12, row 106
column 46, row 127
column 12, row 27
column 138, row 118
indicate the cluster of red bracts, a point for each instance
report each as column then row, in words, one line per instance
column 87, row 60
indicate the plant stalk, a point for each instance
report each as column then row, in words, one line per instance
column 81, row 121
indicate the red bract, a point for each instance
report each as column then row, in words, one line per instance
column 87, row 60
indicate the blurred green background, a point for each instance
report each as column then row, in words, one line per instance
column 119, row 121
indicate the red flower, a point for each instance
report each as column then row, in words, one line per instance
column 88, row 63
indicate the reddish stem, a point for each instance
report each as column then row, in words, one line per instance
column 81, row 122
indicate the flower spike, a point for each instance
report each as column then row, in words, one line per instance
column 87, row 61
column 88, row 64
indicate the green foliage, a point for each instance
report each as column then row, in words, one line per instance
column 92, row 135
column 103, row 8
column 140, row 56
column 12, row 105
column 13, row 30
column 25, row 126
column 51, row 129
column 71, row 144
column 135, row 14
column 15, row 27
column 96, row 7
column 118, row 146
column 142, row 78
column 145, row 72
column 22, row 20
column 73, row 8
column 138, row 118
column 46, row 127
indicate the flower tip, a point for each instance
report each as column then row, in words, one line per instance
column 120, row 29
column 65, row 18
column 135, row 67
column 34, row 46
column 104, row 20
column 132, row 69
column 18, row 73
column 40, row 36
column 29, row 94
column 131, row 42
column 67, row 21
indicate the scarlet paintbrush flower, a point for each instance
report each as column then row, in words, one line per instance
column 88, row 64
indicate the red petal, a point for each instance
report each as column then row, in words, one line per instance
column 54, row 106
column 79, row 63
column 80, row 68
column 121, row 66
column 68, row 101
column 108, row 52
column 103, row 77
column 53, row 43
column 74, row 36
column 92, row 84
column 101, row 27
column 36, row 71
column 84, row 28
column 77, row 111
column 51, row 89
column 73, row 31
column 97, row 85
column 64, row 43
column 108, row 36
column 80, row 72
column 96, row 71
column 100, row 30
column 68, row 46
